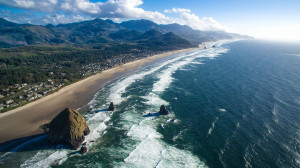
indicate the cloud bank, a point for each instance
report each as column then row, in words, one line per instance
column 66, row 11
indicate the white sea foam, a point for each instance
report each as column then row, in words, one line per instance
column 179, row 135
column 120, row 87
column 153, row 152
column 97, row 124
column 165, row 79
column 143, row 132
column 212, row 126
column 96, row 132
column 274, row 112
column 153, row 99
column 36, row 158
column 147, row 154
column 44, row 162
column 196, row 62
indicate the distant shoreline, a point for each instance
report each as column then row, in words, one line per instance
column 26, row 120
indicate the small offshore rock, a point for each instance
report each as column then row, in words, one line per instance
column 83, row 150
column 111, row 107
column 163, row 110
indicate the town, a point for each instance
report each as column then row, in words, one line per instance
column 20, row 94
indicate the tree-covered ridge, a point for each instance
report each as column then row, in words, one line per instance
column 97, row 31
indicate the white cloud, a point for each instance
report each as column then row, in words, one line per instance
column 206, row 23
column 42, row 20
column 60, row 18
column 77, row 10
column 178, row 10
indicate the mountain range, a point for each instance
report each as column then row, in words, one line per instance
column 103, row 31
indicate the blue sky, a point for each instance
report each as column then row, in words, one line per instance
column 268, row 19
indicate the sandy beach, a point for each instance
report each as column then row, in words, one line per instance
column 26, row 120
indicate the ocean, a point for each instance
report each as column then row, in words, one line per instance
column 235, row 104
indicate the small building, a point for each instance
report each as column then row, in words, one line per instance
column 17, row 86
column 14, row 105
column 9, row 101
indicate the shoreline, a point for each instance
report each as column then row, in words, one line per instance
column 26, row 120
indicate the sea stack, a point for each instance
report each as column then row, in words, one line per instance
column 83, row 150
column 163, row 110
column 68, row 128
column 111, row 107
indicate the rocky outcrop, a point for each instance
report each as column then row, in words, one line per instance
column 163, row 110
column 111, row 107
column 68, row 128
column 83, row 150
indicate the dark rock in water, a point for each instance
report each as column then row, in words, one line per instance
column 163, row 110
column 111, row 107
column 92, row 141
column 68, row 128
column 84, row 144
column 83, row 150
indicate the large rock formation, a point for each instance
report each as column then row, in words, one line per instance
column 68, row 128
column 163, row 110
column 111, row 107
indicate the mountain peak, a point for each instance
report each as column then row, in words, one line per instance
column 140, row 25
column 5, row 23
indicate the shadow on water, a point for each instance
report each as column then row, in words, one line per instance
column 152, row 115
column 97, row 111
column 29, row 143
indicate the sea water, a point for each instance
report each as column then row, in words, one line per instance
column 233, row 105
